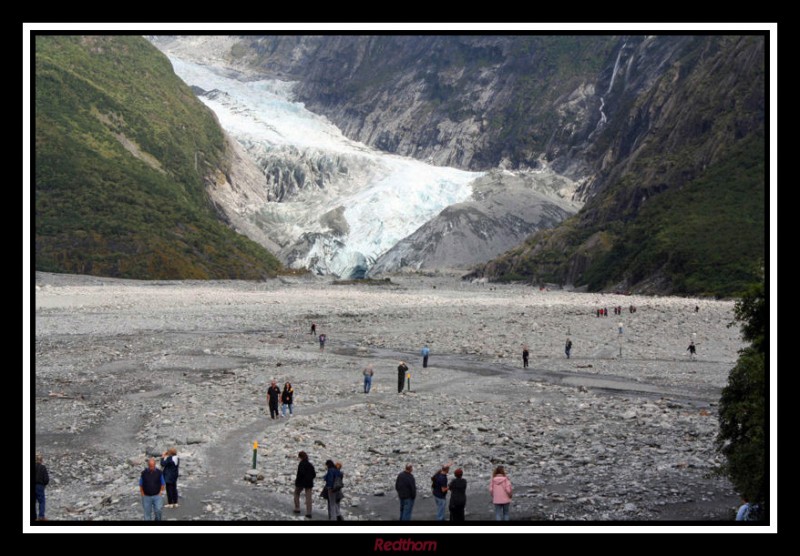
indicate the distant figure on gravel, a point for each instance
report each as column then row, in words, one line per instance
column 696, row 308
column 368, row 373
column 322, row 338
column 568, row 347
column 402, row 369
column 425, row 353
column 151, row 485
column 287, row 399
column 458, row 496
column 525, row 355
column 169, row 466
column 500, row 489
column 406, row 488
column 439, row 489
column 304, row 482
column 313, row 328
column 333, row 488
column 40, row 480
column 273, row 395
column 691, row 349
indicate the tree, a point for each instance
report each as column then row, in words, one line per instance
column 742, row 409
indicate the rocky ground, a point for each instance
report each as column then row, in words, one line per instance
column 124, row 369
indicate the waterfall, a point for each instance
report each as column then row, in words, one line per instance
column 616, row 66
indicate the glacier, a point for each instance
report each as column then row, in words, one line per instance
column 336, row 205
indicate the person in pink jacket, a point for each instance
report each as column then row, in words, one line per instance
column 500, row 488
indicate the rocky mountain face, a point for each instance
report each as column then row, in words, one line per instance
column 505, row 208
column 677, row 201
column 128, row 167
column 625, row 119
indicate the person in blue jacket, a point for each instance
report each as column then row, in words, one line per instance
column 334, row 490
column 169, row 466
column 425, row 353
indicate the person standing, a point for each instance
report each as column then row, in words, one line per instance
column 322, row 338
column 273, row 395
column 525, row 355
column 151, row 485
column 304, row 482
column 40, row 480
column 402, row 369
column 368, row 372
column 406, row 487
column 313, row 328
column 458, row 496
column 333, row 485
column 568, row 347
column 691, row 349
column 287, row 398
column 169, row 465
column 425, row 353
column 500, row 489
column 439, row 488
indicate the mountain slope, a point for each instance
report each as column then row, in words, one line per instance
column 677, row 204
column 505, row 208
column 124, row 154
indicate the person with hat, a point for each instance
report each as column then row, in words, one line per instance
column 439, row 487
column 458, row 496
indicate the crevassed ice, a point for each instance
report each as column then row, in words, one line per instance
column 385, row 201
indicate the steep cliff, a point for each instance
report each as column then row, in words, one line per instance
column 124, row 156
column 677, row 204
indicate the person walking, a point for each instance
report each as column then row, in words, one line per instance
column 287, row 399
column 402, row 369
column 273, row 395
column 568, row 347
column 458, row 496
column 439, row 488
column 151, row 485
column 425, row 353
column 368, row 372
column 333, row 485
column 169, row 466
column 500, row 489
column 40, row 480
column 322, row 339
column 304, row 482
column 406, row 487
column 691, row 349
column 525, row 355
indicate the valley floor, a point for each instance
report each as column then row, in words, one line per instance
column 125, row 368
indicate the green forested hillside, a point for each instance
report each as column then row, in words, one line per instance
column 123, row 153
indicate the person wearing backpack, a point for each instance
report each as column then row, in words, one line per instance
column 304, row 482
column 333, row 484
column 41, row 480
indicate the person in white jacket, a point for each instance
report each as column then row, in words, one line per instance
column 500, row 489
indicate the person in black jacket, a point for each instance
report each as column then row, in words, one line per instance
column 273, row 395
column 287, row 399
column 406, row 487
column 402, row 369
column 41, row 480
column 458, row 496
column 304, row 481
column 169, row 467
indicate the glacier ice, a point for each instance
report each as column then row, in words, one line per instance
column 312, row 169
